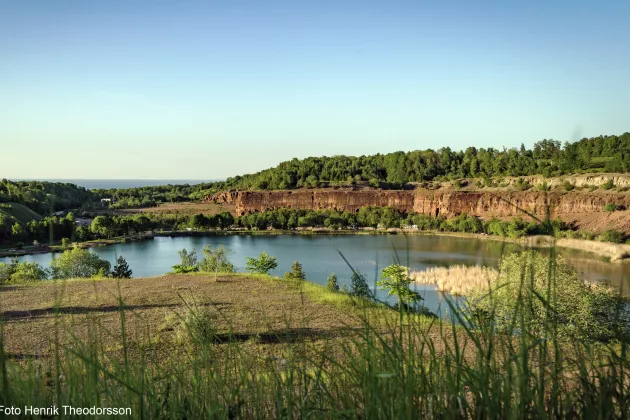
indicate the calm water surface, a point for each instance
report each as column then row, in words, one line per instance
column 320, row 256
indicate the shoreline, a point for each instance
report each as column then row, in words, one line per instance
column 614, row 252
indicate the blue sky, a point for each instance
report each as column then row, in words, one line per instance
column 211, row 89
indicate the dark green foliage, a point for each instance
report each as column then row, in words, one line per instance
column 568, row 186
column 261, row 265
column 121, row 269
column 359, row 286
column 332, row 284
column 43, row 197
column 610, row 207
column 296, row 273
column 394, row 170
column 608, row 185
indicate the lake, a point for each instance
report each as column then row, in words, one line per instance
column 320, row 256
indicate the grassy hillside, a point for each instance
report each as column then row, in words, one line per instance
column 19, row 212
column 242, row 346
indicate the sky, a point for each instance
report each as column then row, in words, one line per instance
column 210, row 89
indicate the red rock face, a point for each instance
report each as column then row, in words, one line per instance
column 446, row 203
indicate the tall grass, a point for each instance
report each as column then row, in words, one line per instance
column 394, row 367
column 456, row 279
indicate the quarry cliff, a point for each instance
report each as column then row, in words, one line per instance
column 579, row 207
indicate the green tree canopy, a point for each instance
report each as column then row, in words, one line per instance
column 78, row 263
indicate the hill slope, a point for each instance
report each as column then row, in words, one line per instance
column 19, row 212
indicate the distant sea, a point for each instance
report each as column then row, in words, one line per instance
column 94, row 184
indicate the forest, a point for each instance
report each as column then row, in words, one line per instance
column 394, row 170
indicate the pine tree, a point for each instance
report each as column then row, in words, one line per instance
column 297, row 273
column 121, row 269
column 332, row 284
column 359, row 286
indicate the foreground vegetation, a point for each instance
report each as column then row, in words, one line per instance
column 253, row 346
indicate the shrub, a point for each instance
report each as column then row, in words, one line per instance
column 21, row 272
column 488, row 182
column 543, row 187
column 296, row 272
column 261, row 265
column 592, row 188
column 65, row 243
column 197, row 325
column 462, row 223
column 78, row 262
column 611, row 235
column 395, row 279
column 608, row 185
column 610, row 207
column 359, row 286
column 121, row 269
column 332, row 284
column 188, row 262
column 568, row 186
column 524, row 295
column 215, row 260
column 522, row 185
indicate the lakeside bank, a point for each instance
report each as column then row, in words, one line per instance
column 612, row 252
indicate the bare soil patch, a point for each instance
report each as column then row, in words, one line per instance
column 264, row 314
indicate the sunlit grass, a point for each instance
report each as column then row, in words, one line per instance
column 390, row 366
column 456, row 279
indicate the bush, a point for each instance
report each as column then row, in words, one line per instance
column 610, row 207
column 188, row 262
column 608, row 185
column 197, row 325
column 522, row 185
column 121, row 269
column 568, row 186
column 261, row 265
column 296, row 272
column 215, row 260
column 525, row 291
column 611, row 235
column 79, row 263
column 543, row 187
column 21, row 272
column 359, row 286
column 395, row 279
column 332, row 284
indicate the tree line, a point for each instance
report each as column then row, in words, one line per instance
column 394, row 170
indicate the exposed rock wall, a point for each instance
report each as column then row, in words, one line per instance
column 447, row 203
